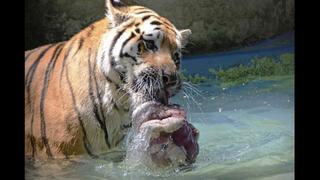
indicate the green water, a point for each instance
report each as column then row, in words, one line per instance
column 246, row 132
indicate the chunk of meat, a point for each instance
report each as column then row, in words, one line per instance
column 172, row 140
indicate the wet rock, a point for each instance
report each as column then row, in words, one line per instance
column 216, row 24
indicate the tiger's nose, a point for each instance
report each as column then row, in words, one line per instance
column 169, row 79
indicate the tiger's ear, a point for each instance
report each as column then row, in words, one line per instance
column 115, row 16
column 185, row 36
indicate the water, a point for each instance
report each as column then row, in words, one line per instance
column 246, row 132
column 271, row 47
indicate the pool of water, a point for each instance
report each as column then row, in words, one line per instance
column 246, row 132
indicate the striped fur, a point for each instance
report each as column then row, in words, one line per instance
column 79, row 93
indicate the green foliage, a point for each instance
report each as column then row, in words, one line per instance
column 194, row 79
column 235, row 74
column 259, row 68
column 197, row 79
column 264, row 68
column 287, row 61
column 182, row 74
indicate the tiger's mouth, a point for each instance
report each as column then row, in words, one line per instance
column 163, row 96
column 168, row 139
column 152, row 85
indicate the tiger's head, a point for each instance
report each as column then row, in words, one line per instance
column 143, row 51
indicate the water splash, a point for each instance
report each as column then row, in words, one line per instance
column 137, row 144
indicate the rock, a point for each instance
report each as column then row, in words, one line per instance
column 216, row 24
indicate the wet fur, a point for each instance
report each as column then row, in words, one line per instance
column 72, row 104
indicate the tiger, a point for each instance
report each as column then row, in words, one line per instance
column 79, row 93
